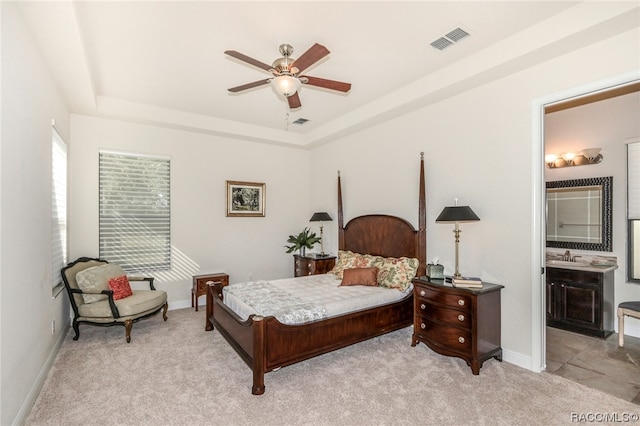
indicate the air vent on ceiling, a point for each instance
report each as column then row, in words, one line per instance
column 301, row 121
column 452, row 37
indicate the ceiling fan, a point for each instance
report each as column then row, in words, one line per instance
column 286, row 71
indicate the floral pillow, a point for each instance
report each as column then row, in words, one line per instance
column 396, row 272
column 350, row 260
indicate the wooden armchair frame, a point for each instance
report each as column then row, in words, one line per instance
column 75, row 298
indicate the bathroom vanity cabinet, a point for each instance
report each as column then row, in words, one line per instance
column 581, row 301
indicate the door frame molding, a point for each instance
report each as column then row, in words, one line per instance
column 538, row 237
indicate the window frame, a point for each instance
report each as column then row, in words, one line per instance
column 59, row 208
column 134, row 211
column 633, row 208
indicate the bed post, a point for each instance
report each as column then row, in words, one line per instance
column 340, row 216
column 422, row 223
column 259, row 333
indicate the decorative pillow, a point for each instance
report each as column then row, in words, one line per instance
column 396, row 272
column 121, row 287
column 96, row 279
column 360, row 276
column 349, row 260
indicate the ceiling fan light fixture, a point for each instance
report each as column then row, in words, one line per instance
column 285, row 85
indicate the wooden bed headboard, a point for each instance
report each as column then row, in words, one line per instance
column 385, row 235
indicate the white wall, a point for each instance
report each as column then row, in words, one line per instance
column 605, row 124
column 204, row 240
column 478, row 149
column 30, row 100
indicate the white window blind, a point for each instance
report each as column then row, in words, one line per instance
column 135, row 214
column 633, row 180
column 58, row 206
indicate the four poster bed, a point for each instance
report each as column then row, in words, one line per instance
column 266, row 344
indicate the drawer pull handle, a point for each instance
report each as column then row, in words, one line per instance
column 460, row 317
column 423, row 306
column 423, row 326
column 422, row 293
column 461, row 339
column 461, row 302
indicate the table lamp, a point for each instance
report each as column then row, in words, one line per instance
column 321, row 217
column 457, row 214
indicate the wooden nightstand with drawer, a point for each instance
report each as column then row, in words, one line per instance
column 312, row 265
column 200, row 285
column 458, row 322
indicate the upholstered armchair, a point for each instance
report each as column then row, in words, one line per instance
column 100, row 294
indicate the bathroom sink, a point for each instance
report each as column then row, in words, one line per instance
column 567, row 263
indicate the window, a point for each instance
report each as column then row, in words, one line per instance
column 135, row 212
column 58, row 206
column 633, row 211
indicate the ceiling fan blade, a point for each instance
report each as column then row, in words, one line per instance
column 247, row 59
column 310, row 57
column 294, row 101
column 327, row 84
column 249, row 85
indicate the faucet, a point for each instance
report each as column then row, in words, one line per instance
column 567, row 256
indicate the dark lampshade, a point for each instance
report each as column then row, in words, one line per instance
column 320, row 217
column 457, row 214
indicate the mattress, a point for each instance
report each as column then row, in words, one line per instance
column 303, row 299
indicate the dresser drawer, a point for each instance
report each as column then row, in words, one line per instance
column 302, row 270
column 461, row 318
column 450, row 337
column 312, row 265
column 442, row 298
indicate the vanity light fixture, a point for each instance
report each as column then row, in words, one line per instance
column 570, row 158
column 457, row 214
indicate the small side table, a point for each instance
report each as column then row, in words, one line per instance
column 200, row 285
column 312, row 264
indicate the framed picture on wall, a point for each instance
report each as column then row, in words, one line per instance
column 245, row 198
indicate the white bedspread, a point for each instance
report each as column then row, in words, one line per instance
column 307, row 298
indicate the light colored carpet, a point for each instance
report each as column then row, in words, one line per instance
column 175, row 373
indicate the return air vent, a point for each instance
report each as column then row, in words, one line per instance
column 451, row 38
column 301, row 121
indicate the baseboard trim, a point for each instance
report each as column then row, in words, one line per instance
column 42, row 377
column 180, row 304
column 518, row 359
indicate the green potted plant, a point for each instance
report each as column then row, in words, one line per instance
column 302, row 241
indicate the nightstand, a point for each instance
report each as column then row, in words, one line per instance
column 312, row 265
column 459, row 322
column 200, row 285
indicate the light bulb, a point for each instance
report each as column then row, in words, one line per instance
column 569, row 157
column 285, row 85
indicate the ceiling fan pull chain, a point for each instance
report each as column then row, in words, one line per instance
column 286, row 118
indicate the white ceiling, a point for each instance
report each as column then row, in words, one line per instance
column 163, row 62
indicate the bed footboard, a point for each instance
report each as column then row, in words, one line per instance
column 265, row 344
column 247, row 338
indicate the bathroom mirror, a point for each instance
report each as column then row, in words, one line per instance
column 579, row 214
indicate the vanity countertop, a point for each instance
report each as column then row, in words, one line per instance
column 581, row 267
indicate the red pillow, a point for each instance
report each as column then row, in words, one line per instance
column 121, row 287
column 360, row 276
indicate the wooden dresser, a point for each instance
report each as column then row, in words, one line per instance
column 458, row 322
column 312, row 265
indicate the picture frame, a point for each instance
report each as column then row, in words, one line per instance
column 245, row 199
